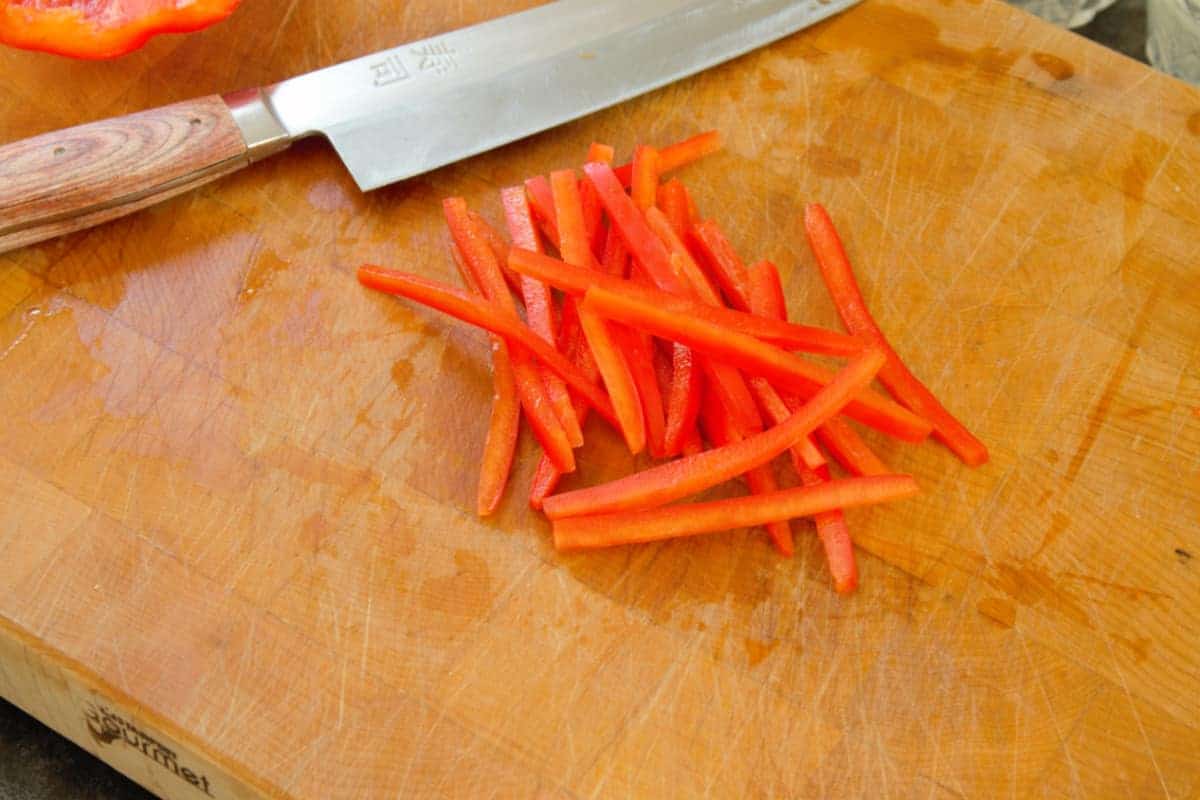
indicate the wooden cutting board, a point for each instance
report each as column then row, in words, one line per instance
column 239, row 549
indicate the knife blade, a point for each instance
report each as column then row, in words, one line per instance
column 394, row 113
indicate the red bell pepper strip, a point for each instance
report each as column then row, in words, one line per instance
column 615, row 259
column 766, row 288
column 834, row 535
column 754, row 357
column 844, row 443
column 723, row 263
column 843, row 288
column 673, row 202
column 617, row 378
column 605, row 343
column 681, row 260
column 483, row 314
column 783, row 334
column 504, row 425
column 500, row 249
column 471, row 240
column 97, row 29
column 539, row 307
column 643, row 245
column 644, row 184
column 683, row 400
column 676, row 479
column 541, row 201
column 760, row 480
column 608, row 530
column 677, row 155
column 593, row 210
column 602, row 153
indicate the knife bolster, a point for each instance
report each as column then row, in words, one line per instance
column 262, row 131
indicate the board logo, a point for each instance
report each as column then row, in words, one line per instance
column 107, row 727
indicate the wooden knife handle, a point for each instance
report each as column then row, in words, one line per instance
column 71, row 179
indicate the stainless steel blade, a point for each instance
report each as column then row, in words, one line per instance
column 404, row 111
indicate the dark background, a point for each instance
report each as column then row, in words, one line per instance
column 37, row 763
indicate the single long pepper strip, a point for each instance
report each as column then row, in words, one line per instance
column 608, row 530
column 906, row 387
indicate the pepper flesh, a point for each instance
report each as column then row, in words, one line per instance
column 100, row 29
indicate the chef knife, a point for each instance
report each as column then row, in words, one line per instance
column 392, row 114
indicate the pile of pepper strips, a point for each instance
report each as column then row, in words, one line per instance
column 663, row 331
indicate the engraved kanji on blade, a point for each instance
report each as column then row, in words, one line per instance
column 436, row 57
column 390, row 70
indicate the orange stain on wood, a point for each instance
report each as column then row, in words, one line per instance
column 1058, row 68
column 998, row 610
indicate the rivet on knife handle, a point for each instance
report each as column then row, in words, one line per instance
column 75, row 178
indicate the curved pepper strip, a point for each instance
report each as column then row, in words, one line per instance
column 99, row 29
column 675, row 479
column 906, row 387
column 609, row 530
column 483, row 314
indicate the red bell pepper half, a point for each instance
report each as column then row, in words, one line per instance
column 98, row 29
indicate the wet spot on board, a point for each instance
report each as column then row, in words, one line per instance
column 828, row 163
column 1052, row 456
column 998, row 610
column 329, row 196
column 896, row 36
column 1193, row 123
column 1058, row 68
column 262, row 272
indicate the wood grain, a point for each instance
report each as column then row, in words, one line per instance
column 237, row 491
column 71, row 179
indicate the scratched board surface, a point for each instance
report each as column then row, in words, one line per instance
column 236, row 490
